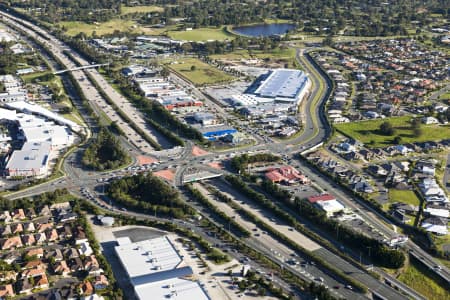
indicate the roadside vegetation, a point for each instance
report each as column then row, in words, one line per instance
column 424, row 281
column 146, row 193
column 105, row 152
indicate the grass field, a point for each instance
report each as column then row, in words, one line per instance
column 284, row 55
column 203, row 74
column 408, row 197
column 201, row 34
column 125, row 10
column 420, row 279
column 367, row 131
column 73, row 28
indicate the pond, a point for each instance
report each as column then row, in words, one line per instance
column 263, row 29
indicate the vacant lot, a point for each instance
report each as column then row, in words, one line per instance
column 421, row 280
column 278, row 55
column 201, row 34
column 368, row 131
column 123, row 25
column 199, row 73
column 125, row 10
column 407, row 197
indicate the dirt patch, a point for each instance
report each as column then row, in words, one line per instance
column 196, row 151
column 144, row 160
column 215, row 165
column 166, row 174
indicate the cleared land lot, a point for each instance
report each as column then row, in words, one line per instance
column 202, row 74
column 125, row 10
column 407, row 197
column 368, row 132
column 123, row 25
column 202, row 34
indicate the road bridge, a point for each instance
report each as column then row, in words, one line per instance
column 80, row 68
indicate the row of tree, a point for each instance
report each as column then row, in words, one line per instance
column 380, row 254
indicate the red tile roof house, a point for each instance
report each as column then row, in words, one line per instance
column 12, row 242
column 19, row 214
column 39, row 252
column 101, row 282
column 28, row 240
column 86, row 288
column 61, row 268
column 286, row 174
column 6, row 291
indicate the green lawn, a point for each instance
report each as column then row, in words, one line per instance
column 421, row 280
column 125, row 10
column 201, row 34
column 202, row 75
column 408, row 197
column 368, row 131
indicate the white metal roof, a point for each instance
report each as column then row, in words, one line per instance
column 173, row 288
column 149, row 256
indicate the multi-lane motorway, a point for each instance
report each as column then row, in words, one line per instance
column 315, row 131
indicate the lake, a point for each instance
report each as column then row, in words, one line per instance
column 263, row 29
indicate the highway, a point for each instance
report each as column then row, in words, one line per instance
column 316, row 130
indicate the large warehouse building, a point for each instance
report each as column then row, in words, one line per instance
column 157, row 271
column 42, row 140
column 281, row 87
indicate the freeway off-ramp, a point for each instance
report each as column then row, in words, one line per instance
column 316, row 130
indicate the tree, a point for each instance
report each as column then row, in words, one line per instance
column 165, row 72
column 193, row 68
column 386, row 128
column 398, row 140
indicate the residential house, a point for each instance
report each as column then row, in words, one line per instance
column 80, row 236
column 6, row 230
column 11, row 243
column 52, row 235
column 44, row 226
column 24, row 286
column 61, row 268
column 38, row 252
column 61, row 206
column 6, row 217
column 33, row 273
column 29, row 227
column 71, row 253
column 45, row 211
column 400, row 215
column 101, row 282
column 41, row 282
column 34, row 264
column 18, row 215
column 435, row 225
column 92, row 266
column 28, row 240
column 55, row 254
column 86, row 288
column 67, row 217
column 16, row 228
column 433, row 210
column 8, row 275
column 40, row 238
column 31, row 213
column 85, row 249
column 11, row 257
column 75, row 264
column 6, row 291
